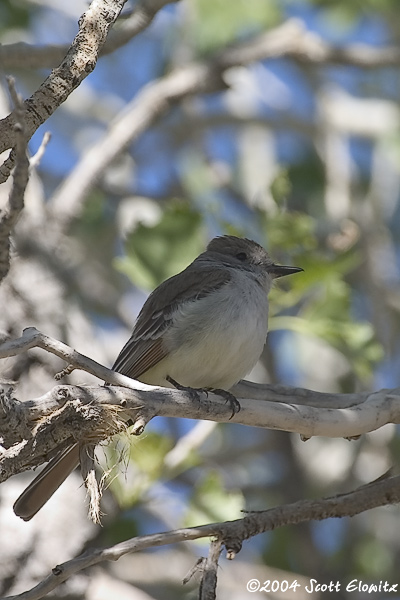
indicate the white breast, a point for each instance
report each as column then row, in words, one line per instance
column 217, row 340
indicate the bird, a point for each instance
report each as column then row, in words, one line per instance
column 204, row 328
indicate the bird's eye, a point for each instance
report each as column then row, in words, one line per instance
column 241, row 256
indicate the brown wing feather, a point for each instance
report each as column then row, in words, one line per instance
column 144, row 348
column 138, row 356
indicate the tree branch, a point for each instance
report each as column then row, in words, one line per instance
column 32, row 338
column 151, row 102
column 28, row 56
column 294, row 42
column 289, row 40
column 88, row 410
column 89, row 414
column 232, row 533
column 79, row 61
column 208, row 585
column 9, row 216
column 35, row 160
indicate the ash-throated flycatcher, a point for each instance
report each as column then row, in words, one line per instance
column 203, row 328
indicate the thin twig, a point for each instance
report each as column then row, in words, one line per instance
column 94, row 489
column 32, row 338
column 197, row 568
column 36, row 158
column 208, row 585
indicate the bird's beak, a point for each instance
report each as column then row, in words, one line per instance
column 281, row 270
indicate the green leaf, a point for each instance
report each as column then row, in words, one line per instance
column 286, row 232
column 155, row 253
column 281, row 187
column 219, row 22
column 16, row 15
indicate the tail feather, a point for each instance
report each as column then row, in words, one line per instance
column 46, row 483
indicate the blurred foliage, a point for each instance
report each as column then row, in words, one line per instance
column 212, row 501
column 15, row 14
column 119, row 529
column 343, row 13
column 94, row 224
column 320, row 295
column 142, row 461
column 155, row 253
column 216, row 23
column 372, row 559
column 281, row 187
column 277, row 552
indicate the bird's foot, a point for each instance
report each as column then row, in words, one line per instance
column 229, row 398
column 194, row 394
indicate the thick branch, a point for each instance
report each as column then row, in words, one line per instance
column 373, row 411
column 10, row 214
column 91, row 413
column 297, row 410
column 232, row 533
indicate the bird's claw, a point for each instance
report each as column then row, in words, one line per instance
column 194, row 394
column 229, row 398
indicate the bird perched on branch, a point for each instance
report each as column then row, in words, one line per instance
column 203, row 328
